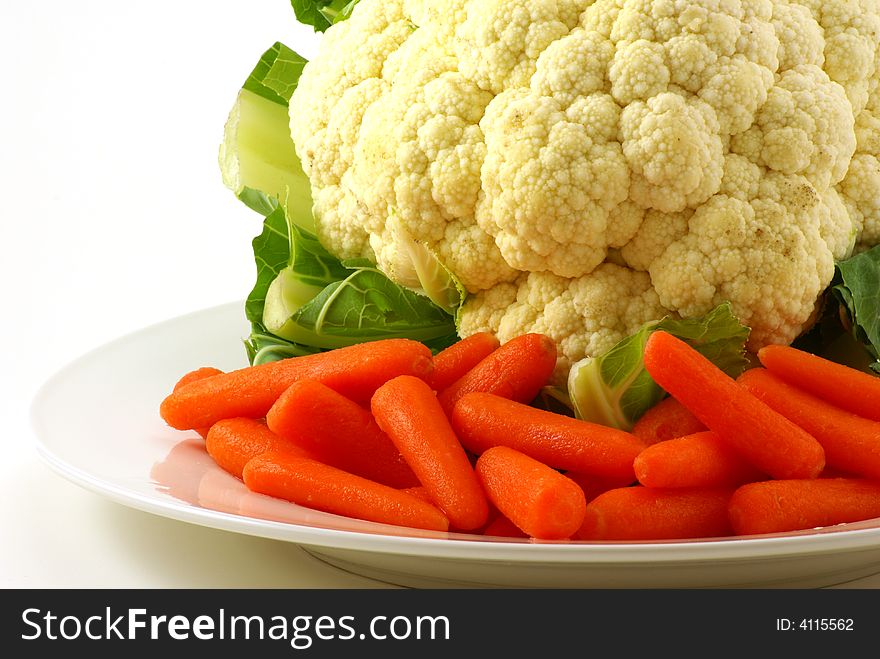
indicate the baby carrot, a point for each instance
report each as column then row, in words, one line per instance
column 851, row 442
column 409, row 413
column 197, row 374
column 419, row 492
column 338, row 432
column 845, row 387
column 537, row 499
column 666, row 420
column 484, row 420
column 762, row 436
column 790, row 505
column 702, row 459
column 517, row 370
column 322, row 487
column 456, row 360
column 646, row 513
column 192, row 376
column 232, row 442
column 501, row 527
column 355, row 372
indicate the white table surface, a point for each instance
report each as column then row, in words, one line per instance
column 114, row 217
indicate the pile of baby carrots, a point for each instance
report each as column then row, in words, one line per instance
column 386, row 432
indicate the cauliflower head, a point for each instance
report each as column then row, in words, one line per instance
column 586, row 166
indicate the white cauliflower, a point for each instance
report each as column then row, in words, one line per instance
column 587, row 166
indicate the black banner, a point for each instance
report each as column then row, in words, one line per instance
column 329, row 623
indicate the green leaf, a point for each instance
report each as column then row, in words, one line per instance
column 305, row 300
column 321, row 14
column 276, row 75
column 271, row 253
column 857, row 289
column 615, row 389
column 262, row 347
column 366, row 305
column 257, row 157
column 345, row 12
column 292, row 268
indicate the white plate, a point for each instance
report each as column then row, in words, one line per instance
column 98, row 425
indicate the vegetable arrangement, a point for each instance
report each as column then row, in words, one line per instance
column 560, row 269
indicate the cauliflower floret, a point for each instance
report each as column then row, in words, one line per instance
column 551, row 178
column 573, row 66
column 585, row 166
column 860, row 188
column 502, row 39
column 766, row 256
column 851, row 34
column 800, row 37
column 638, row 71
column 836, row 225
column 805, row 127
column 665, row 177
column 657, row 232
column 860, row 191
column 472, row 254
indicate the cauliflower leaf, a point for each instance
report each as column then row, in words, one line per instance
column 257, row 157
column 306, row 300
column 858, row 291
column 321, row 14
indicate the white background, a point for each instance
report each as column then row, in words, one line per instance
column 114, row 217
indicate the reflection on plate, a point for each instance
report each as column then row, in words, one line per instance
column 97, row 423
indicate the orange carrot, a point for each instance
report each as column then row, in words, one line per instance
column 338, row 432
column 791, row 505
column 232, row 442
column 459, row 358
column 702, row 459
column 197, row 374
column 192, row 376
column 355, row 372
column 537, row 499
column 484, row 420
column 407, row 410
column 517, row 370
column 851, row 442
column 593, row 486
column 502, row 527
column 646, row 513
column 667, row 419
column 419, row 492
column 842, row 386
column 322, row 487
column 762, row 436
